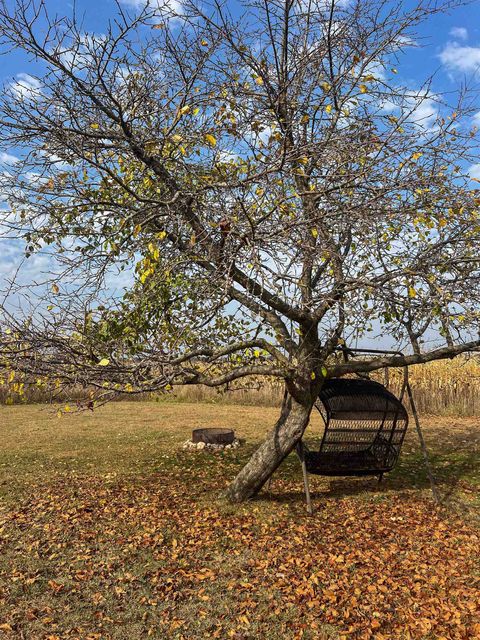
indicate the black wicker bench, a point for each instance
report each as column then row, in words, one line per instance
column 365, row 425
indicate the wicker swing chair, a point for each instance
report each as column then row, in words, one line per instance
column 365, row 425
column 364, row 429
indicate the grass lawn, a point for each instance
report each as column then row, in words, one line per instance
column 109, row 530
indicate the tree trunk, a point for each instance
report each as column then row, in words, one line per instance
column 279, row 443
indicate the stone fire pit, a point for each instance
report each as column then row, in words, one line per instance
column 214, row 438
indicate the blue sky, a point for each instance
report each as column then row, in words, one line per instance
column 449, row 43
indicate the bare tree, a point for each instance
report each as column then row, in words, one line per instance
column 263, row 186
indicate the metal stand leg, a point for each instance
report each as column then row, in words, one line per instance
column 301, row 455
column 436, row 496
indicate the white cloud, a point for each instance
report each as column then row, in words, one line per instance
column 227, row 157
column 418, row 107
column 26, row 86
column 459, row 33
column 81, row 52
column 163, row 6
column 402, row 41
column 7, row 158
column 456, row 57
column 262, row 135
column 375, row 68
column 58, row 163
column 474, row 171
column 321, row 5
column 424, row 110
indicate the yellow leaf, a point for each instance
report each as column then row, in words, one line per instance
column 328, row 108
column 325, row 86
column 136, row 230
column 363, row 88
column 256, row 353
column 314, row 232
column 204, row 43
column 196, row 111
column 303, row 160
column 416, row 155
column 312, row 375
column 94, row 125
column 259, row 80
column 412, row 292
column 104, row 362
column 55, row 288
column 184, row 110
column 212, row 141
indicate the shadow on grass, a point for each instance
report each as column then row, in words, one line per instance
column 450, row 472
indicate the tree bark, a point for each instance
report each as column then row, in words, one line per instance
column 289, row 429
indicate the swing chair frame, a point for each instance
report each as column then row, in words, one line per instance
column 304, row 454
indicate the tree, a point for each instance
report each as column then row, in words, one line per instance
column 264, row 185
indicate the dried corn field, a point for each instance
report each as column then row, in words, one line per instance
column 450, row 387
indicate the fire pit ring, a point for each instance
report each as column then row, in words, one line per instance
column 213, row 436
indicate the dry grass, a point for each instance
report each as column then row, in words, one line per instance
column 127, row 438
column 110, row 531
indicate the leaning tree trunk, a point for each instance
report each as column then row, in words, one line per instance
column 279, row 443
